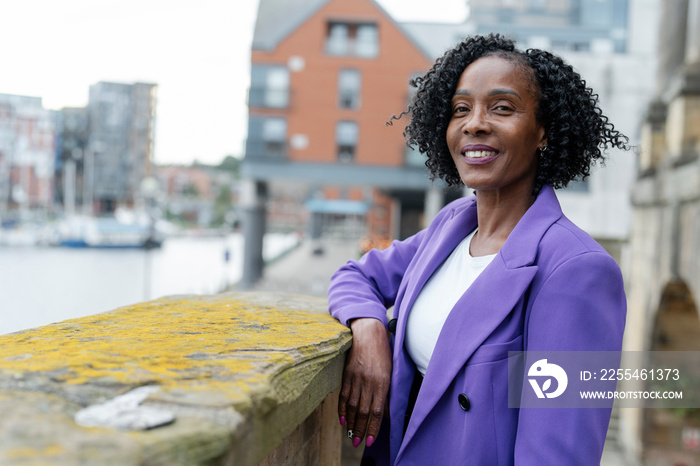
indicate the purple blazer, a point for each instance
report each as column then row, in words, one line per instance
column 550, row 287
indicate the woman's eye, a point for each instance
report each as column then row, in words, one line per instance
column 461, row 109
column 503, row 108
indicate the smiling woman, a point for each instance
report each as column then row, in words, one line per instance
column 502, row 270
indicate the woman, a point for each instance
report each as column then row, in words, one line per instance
column 503, row 270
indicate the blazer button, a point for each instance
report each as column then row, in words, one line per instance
column 464, row 402
column 391, row 326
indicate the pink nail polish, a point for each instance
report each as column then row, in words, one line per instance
column 356, row 442
column 370, row 441
column 342, row 420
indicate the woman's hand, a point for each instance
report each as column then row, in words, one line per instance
column 365, row 380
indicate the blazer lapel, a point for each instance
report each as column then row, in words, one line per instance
column 440, row 246
column 486, row 303
column 492, row 296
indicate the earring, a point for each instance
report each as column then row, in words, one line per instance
column 542, row 150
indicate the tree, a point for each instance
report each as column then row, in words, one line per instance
column 230, row 164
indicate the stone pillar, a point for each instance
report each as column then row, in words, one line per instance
column 682, row 91
column 434, row 201
column 253, row 198
column 653, row 136
column 316, row 226
column 682, row 132
column 692, row 38
column 671, row 45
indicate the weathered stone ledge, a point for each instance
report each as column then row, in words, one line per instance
column 241, row 372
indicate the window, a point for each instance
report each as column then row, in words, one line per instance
column 597, row 13
column 352, row 39
column 267, row 137
column 346, row 140
column 338, row 41
column 367, row 41
column 349, row 86
column 269, row 86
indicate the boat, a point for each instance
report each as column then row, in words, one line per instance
column 107, row 232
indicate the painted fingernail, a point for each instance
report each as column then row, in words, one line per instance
column 356, row 442
column 370, row 440
column 342, row 420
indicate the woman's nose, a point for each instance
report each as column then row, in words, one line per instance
column 476, row 122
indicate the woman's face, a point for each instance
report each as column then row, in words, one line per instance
column 493, row 134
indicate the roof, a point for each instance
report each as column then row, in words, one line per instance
column 276, row 19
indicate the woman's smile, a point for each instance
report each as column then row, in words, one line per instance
column 479, row 153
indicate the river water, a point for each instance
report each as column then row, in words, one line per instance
column 41, row 285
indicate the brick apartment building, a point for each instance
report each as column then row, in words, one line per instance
column 326, row 76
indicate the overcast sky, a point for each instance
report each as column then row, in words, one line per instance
column 198, row 52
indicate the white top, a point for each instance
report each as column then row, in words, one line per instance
column 437, row 298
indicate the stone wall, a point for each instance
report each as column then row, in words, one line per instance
column 663, row 282
column 235, row 378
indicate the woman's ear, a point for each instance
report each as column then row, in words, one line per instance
column 542, row 133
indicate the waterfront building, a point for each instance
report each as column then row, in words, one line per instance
column 323, row 86
column 120, row 144
column 576, row 25
column 71, row 143
column 326, row 75
column 27, row 138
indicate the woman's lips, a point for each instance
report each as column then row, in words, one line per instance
column 478, row 154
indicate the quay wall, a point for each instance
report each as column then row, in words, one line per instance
column 236, row 378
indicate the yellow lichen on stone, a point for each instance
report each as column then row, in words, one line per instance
column 26, row 453
column 240, row 372
column 171, row 343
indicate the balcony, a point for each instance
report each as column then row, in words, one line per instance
column 266, row 97
column 270, row 150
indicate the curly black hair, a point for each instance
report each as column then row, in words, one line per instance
column 575, row 126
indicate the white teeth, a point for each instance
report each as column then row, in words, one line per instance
column 477, row 154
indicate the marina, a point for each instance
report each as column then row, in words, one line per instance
column 40, row 285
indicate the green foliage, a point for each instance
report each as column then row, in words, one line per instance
column 230, row 164
column 222, row 205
